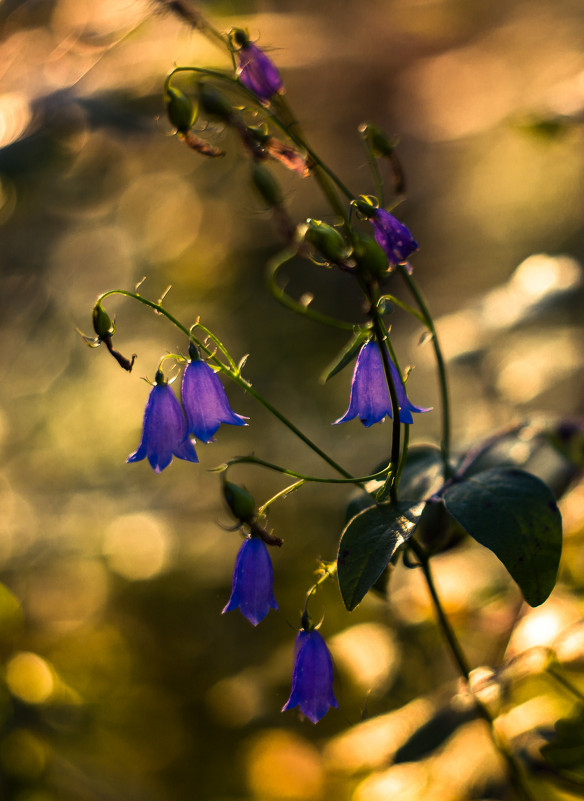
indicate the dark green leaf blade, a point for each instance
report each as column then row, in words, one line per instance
column 368, row 543
column 515, row 515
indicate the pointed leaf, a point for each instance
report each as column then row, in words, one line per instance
column 515, row 515
column 369, row 542
column 346, row 356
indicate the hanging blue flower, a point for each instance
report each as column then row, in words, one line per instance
column 393, row 236
column 253, row 578
column 312, row 677
column 256, row 71
column 205, row 402
column 164, row 433
column 370, row 400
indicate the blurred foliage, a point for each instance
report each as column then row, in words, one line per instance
column 120, row 679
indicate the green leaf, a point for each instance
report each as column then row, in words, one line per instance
column 369, row 542
column 347, row 355
column 515, row 515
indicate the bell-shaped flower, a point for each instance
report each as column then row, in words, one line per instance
column 253, row 578
column 256, row 71
column 164, row 433
column 312, row 677
column 205, row 402
column 370, row 400
column 393, row 236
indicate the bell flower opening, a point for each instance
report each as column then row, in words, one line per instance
column 312, row 677
column 370, row 400
column 253, row 577
column 164, row 432
column 257, row 72
column 205, row 402
column 393, row 236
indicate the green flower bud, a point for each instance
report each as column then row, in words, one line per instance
column 366, row 205
column 180, row 109
column 370, row 257
column 240, row 501
column 327, row 240
column 214, row 103
column 266, row 185
column 102, row 324
column 382, row 144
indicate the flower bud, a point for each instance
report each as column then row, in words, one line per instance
column 327, row 240
column 266, row 185
column 370, row 257
column 382, row 145
column 180, row 109
column 102, row 324
column 366, row 205
column 240, row 501
column 214, row 103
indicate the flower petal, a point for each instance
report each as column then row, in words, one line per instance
column 312, row 677
column 253, row 577
column 205, row 402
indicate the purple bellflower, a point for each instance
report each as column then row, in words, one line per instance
column 312, row 677
column 370, row 399
column 393, row 236
column 164, row 432
column 253, row 578
column 256, row 71
column 205, row 402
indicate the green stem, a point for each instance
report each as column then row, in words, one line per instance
column 359, row 480
column 444, row 395
column 234, row 375
column 514, row 771
column 282, row 494
column 381, row 336
column 278, row 261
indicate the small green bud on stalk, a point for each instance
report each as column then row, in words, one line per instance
column 102, row 324
column 327, row 240
column 267, row 186
column 240, row 502
column 214, row 103
column 370, row 257
column 180, row 109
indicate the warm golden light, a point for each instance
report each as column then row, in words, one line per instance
column 30, row 678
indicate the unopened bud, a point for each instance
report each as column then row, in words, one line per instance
column 382, row 144
column 370, row 257
column 102, row 324
column 327, row 240
column 240, row 501
column 180, row 109
column 214, row 103
column 266, row 185
column 366, row 205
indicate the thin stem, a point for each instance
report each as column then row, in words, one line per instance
column 359, row 480
column 381, row 336
column 445, row 401
column 235, row 376
column 282, row 494
column 514, row 771
column 278, row 261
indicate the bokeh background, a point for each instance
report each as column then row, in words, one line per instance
column 120, row 678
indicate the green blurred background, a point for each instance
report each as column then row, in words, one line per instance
column 121, row 678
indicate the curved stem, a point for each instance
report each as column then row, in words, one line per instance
column 278, row 261
column 359, row 480
column 235, row 376
column 444, row 395
column 514, row 771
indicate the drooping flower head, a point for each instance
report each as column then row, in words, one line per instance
column 312, row 677
column 390, row 234
column 204, row 401
column 370, row 400
column 256, row 71
column 164, row 433
column 253, row 578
